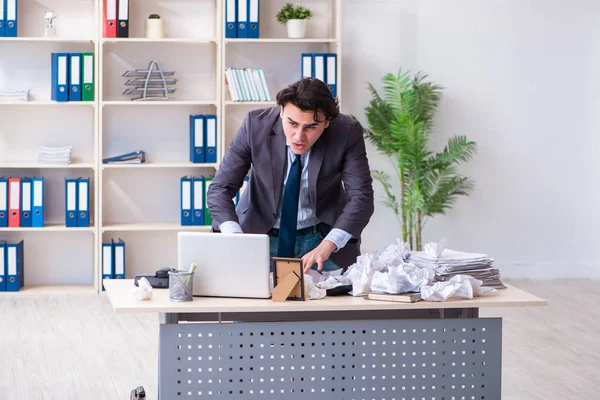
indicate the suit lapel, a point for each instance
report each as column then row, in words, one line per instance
column 277, row 149
column 317, row 154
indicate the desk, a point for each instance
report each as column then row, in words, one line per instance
column 334, row 348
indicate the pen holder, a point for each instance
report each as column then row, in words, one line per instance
column 181, row 285
column 155, row 28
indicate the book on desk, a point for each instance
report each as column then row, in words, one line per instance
column 412, row 297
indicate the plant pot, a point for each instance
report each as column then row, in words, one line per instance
column 296, row 28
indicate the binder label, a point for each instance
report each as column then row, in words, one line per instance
column 26, row 196
column 11, row 10
column 3, row 197
column 62, row 70
column 211, row 132
column 198, row 195
column 38, row 195
column 186, row 196
column 83, row 196
column 199, row 131
column 88, row 69
column 14, row 195
column 106, row 260
column 331, row 70
column 75, row 70
column 119, row 260
column 71, row 200
column 12, row 260
column 253, row 11
column 243, row 11
column 123, row 9
column 231, row 11
column 111, row 10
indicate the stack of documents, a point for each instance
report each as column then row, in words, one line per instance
column 54, row 155
column 451, row 263
column 14, row 95
column 245, row 84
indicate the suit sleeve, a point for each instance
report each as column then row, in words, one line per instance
column 358, row 185
column 230, row 176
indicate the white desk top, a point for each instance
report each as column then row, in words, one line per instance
column 123, row 301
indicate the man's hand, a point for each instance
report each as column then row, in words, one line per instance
column 318, row 255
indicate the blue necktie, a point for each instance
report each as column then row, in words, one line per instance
column 289, row 211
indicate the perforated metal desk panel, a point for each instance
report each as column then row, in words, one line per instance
column 334, row 348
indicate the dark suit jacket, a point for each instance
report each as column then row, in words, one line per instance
column 340, row 183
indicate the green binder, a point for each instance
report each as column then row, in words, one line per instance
column 207, row 217
column 87, row 77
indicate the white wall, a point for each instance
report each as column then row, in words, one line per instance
column 520, row 79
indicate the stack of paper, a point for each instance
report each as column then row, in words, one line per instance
column 54, row 155
column 451, row 263
column 14, row 95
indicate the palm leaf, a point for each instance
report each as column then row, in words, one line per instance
column 395, row 88
column 458, row 149
column 390, row 200
column 427, row 99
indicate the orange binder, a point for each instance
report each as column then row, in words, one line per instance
column 14, row 202
column 110, row 18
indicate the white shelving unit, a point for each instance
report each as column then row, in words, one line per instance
column 57, row 259
column 138, row 203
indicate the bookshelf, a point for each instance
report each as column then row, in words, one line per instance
column 138, row 203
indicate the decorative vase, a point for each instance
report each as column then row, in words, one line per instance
column 155, row 29
column 296, row 28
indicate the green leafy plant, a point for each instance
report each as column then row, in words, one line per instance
column 400, row 125
column 292, row 11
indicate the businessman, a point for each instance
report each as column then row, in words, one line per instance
column 310, row 187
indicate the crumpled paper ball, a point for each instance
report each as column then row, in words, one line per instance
column 143, row 291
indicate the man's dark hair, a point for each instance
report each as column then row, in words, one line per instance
column 310, row 94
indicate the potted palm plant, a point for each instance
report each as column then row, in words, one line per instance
column 295, row 18
column 400, row 124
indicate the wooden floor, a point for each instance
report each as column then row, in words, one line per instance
column 75, row 347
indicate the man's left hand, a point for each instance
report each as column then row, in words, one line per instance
column 318, row 255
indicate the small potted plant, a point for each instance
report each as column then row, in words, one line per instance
column 295, row 18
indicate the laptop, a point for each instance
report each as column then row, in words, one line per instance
column 228, row 265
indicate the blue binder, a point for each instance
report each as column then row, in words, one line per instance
column 242, row 18
column 26, row 192
column 11, row 16
column 253, row 19
column 187, row 200
column 198, row 196
column 71, row 201
column 118, row 259
column 197, row 154
column 210, row 138
column 2, row 18
column 3, row 267
column 83, row 202
column 14, row 267
column 59, row 90
column 107, row 262
column 3, row 201
column 37, row 202
column 75, row 77
column 331, row 72
column 231, row 19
